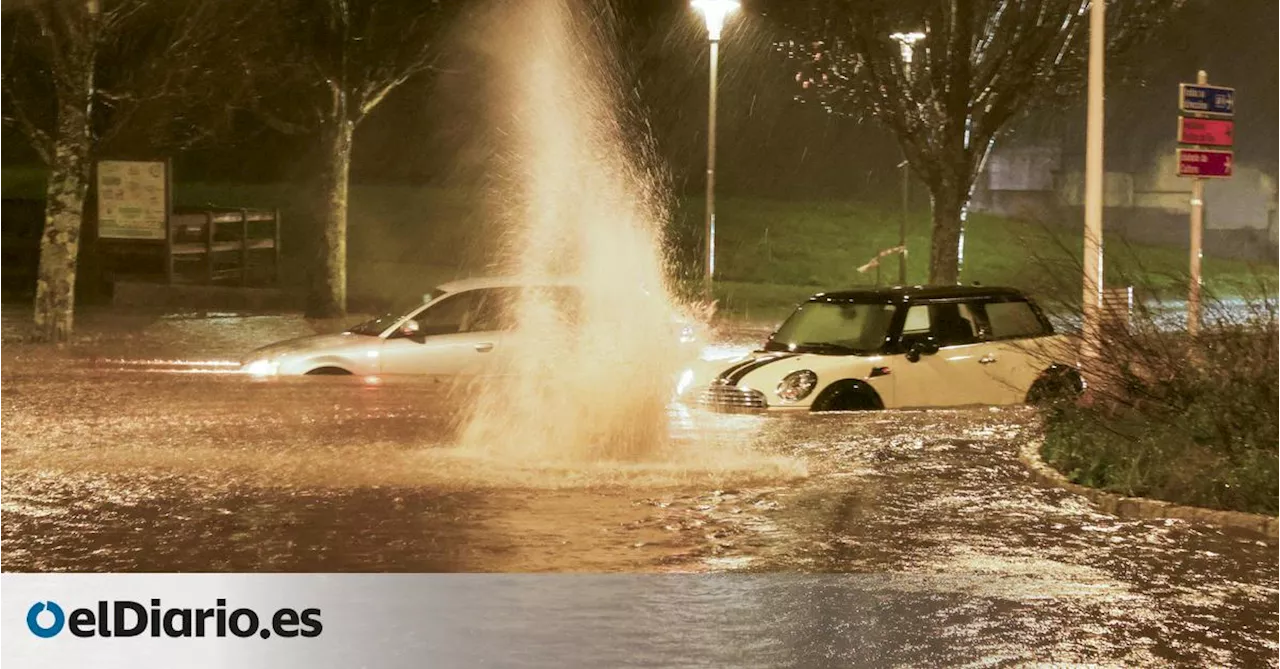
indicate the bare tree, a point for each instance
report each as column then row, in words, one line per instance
column 321, row 67
column 70, row 34
column 978, row 65
column 76, row 73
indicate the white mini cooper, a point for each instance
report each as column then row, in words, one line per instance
column 921, row 346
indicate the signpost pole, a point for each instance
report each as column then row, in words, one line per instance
column 1193, row 298
column 1093, row 196
column 1205, row 120
column 1197, row 230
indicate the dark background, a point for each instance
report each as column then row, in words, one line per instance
column 436, row 131
column 769, row 144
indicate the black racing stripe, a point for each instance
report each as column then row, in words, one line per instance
column 741, row 372
column 724, row 376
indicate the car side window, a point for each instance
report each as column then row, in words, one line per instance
column 449, row 315
column 494, row 310
column 946, row 324
column 481, row 310
column 1011, row 320
column 953, row 324
column 566, row 301
column 917, row 322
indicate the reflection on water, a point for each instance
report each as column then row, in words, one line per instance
column 948, row 553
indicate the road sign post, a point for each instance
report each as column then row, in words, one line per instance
column 1205, row 120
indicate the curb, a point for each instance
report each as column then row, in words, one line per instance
column 1141, row 507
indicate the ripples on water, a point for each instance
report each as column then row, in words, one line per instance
column 197, row 472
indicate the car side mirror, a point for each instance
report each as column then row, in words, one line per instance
column 919, row 348
column 410, row 330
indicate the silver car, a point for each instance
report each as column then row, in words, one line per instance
column 458, row 329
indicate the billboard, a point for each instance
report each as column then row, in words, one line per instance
column 133, row 199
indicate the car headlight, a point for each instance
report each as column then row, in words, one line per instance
column 262, row 367
column 797, row 385
column 686, row 380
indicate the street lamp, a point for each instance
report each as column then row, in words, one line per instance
column 715, row 12
column 907, row 42
column 1093, row 193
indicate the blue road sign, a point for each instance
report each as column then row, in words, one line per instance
column 1201, row 99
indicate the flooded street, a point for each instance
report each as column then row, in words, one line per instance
column 136, row 451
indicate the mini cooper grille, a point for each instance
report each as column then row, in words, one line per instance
column 729, row 397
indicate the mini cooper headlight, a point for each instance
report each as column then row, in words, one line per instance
column 262, row 368
column 797, row 385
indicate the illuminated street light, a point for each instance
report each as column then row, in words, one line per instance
column 908, row 43
column 715, row 12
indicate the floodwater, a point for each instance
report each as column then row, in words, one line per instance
column 133, row 450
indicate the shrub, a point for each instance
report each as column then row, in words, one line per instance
column 1192, row 420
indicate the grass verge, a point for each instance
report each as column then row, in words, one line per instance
column 770, row 253
column 1141, row 456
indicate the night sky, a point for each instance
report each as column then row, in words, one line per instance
column 771, row 145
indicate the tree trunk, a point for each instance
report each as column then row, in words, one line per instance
column 328, row 297
column 949, row 200
column 64, row 207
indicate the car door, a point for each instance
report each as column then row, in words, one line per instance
column 459, row 335
column 952, row 376
column 1015, row 330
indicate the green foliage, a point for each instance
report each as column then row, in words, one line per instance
column 1188, row 421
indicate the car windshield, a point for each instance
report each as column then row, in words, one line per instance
column 833, row 327
column 377, row 326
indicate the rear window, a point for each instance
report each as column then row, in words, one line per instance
column 1013, row 319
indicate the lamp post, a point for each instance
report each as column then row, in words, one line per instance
column 1093, row 194
column 715, row 12
column 907, row 41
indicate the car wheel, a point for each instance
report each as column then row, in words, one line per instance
column 848, row 395
column 1059, row 383
column 328, row 371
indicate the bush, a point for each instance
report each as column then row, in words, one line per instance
column 1188, row 420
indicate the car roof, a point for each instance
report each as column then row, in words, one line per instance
column 905, row 293
column 474, row 283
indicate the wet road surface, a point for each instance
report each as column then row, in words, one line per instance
column 118, row 457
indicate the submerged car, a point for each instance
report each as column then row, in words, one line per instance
column 920, row 346
column 457, row 329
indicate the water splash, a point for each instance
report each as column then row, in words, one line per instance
column 591, row 383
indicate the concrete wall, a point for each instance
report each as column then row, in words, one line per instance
column 1148, row 207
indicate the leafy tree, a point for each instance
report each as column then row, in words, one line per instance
column 979, row 65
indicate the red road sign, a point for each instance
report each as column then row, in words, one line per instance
column 1204, row 163
column 1209, row 132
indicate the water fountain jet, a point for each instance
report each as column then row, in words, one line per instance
column 581, row 203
